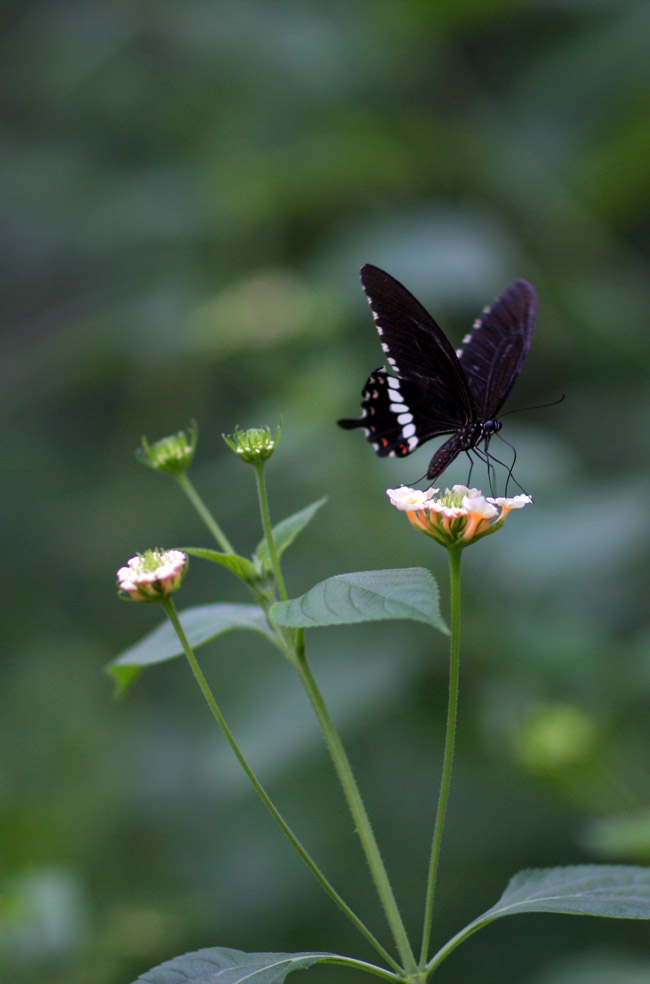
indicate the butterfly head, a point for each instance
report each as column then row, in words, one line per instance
column 491, row 427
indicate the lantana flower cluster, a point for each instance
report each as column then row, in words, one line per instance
column 152, row 575
column 457, row 517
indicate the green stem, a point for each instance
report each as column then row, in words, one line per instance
column 452, row 713
column 356, row 807
column 361, row 965
column 204, row 513
column 172, row 614
column 341, row 763
column 268, row 532
column 455, row 941
column 222, row 540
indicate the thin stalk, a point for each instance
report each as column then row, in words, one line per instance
column 204, row 513
column 450, row 945
column 361, row 965
column 222, row 540
column 268, row 532
column 172, row 614
column 450, row 735
column 357, row 809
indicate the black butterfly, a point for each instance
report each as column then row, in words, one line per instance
column 436, row 390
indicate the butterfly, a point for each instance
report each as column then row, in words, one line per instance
column 435, row 390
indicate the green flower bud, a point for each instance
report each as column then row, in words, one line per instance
column 254, row 445
column 172, row 455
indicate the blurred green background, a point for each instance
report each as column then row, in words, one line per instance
column 190, row 188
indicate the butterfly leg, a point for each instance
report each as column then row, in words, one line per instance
column 489, row 459
column 512, row 465
column 471, row 467
column 511, row 468
column 484, row 455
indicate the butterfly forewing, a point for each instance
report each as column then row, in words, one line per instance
column 418, row 351
column 494, row 351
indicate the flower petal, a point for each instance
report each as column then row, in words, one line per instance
column 407, row 499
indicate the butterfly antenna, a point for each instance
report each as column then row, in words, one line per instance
column 538, row 406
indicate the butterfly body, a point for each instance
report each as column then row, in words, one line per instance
column 435, row 390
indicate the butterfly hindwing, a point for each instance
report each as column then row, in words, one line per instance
column 390, row 418
column 494, row 351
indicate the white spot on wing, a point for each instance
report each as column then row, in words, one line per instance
column 405, row 418
column 392, row 382
column 408, row 431
column 413, row 443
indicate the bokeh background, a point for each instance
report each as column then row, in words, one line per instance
column 189, row 190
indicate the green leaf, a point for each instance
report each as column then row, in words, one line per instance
column 241, row 566
column 285, row 533
column 230, row 967
column 620, row 891
column 200, row 624
column 365, row 596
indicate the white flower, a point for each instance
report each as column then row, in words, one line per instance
column 462, row 490
column 451, row 512
column 408, row 499
column 457, row 518
column 516, row 502
column 152, row 575
column 477, row 503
